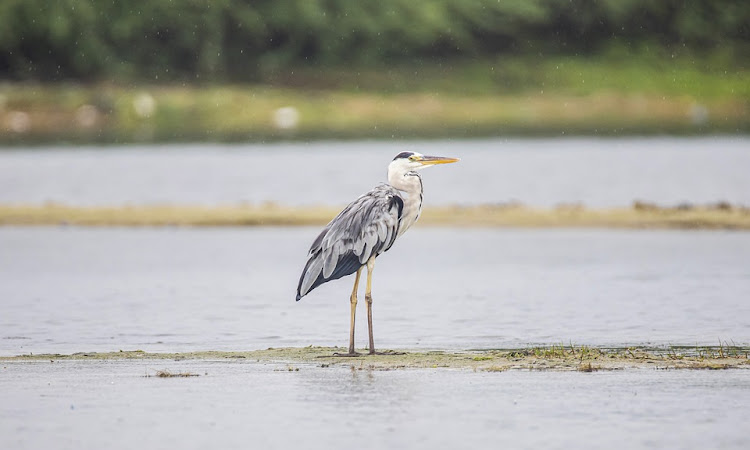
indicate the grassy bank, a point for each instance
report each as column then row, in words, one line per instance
column 609, row 95
column 553, row 358
column 719, row 216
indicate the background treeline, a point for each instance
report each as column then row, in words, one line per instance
column 242, row 40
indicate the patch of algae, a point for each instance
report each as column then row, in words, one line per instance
column 554, row 358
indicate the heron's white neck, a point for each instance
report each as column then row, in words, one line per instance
column 410, row 183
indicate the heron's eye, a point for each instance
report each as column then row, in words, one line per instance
column 413, row 158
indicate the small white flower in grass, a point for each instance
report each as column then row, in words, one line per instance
column 18, row 121
column 144, row 105
column 87, row 115
column 286, row 118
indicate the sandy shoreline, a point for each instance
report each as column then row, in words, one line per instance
column 555, row 358
column 720, row 216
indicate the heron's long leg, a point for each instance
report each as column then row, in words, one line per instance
column 353, row 302
column 368, row 299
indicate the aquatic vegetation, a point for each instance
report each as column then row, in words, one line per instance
column 557, row 357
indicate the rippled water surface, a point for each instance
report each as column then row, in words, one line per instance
column 538, row 172
column 82, row 289
column 110, row 404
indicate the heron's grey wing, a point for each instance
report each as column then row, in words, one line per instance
column 366, row 227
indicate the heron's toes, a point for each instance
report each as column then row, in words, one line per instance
column 347, row 355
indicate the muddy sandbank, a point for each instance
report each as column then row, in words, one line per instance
column 554, row 358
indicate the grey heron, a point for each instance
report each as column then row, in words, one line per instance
column 365, row 229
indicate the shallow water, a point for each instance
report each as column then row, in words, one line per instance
column 67, row 289
column 537, row 172
column 171, row 289
column 110, row 404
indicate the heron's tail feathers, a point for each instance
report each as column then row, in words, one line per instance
column 310, row 274
column 313, row 274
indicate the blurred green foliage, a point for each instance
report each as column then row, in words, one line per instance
column 246, row 40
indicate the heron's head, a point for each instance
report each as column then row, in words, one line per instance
column 406, row 162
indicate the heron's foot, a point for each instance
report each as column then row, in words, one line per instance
column 386, row 353
column 347, row 355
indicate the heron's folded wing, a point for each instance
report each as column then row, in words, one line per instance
column 366, row 227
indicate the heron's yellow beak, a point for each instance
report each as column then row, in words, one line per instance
column 432, row 160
